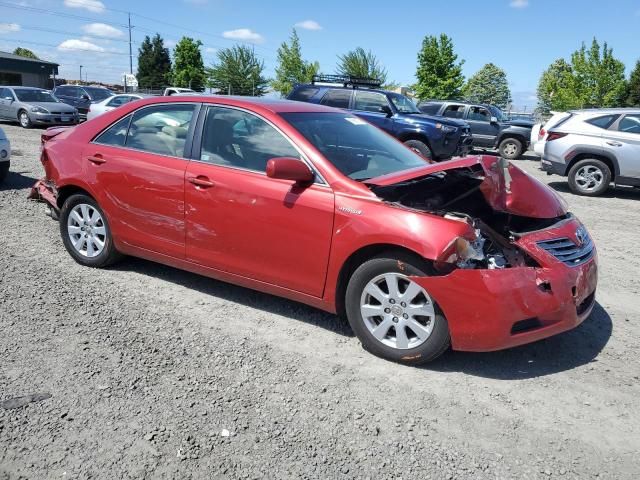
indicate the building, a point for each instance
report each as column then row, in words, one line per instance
column 27, row 72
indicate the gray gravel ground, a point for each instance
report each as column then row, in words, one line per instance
column 158, row 373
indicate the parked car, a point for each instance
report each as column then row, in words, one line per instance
column 110, row 103
column 594, row 148
column 540, row 130
column 490, row 128
column 81, row 97
column 316, row 205
column 177, row 91
column 433, row 138
column 34, row 106
column 5, row 155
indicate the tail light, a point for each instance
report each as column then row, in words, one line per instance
column 541, row 133
column 555, row 135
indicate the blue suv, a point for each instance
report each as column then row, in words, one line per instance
column 435, row 138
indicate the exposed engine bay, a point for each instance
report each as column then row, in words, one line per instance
column 458, row 195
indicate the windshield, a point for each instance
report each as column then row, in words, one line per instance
column 28, row 95
column 98, row 94
column 358, row 149
column 403, row 104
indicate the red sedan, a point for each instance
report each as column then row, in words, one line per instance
column 316, row 205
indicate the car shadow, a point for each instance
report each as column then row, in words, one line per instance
column 559, row 353
column 17, row 181
column 233, row 293
column 622, row 192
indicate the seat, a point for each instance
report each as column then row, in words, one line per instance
column 218, row 144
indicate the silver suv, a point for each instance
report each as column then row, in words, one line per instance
column 594, row 148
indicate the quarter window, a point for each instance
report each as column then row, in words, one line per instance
column 370, row 102
column 161, row 129
column 239, row 139
column 337, row 98
column 604, row 121
column 630, row 123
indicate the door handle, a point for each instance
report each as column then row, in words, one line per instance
column 614, row 144
column 201, row 181
column 96, row 159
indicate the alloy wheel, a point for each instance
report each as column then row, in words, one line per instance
column 589, row 178
column 397, row 311
column 510, row 149
column 24, row 119
column 87, row 230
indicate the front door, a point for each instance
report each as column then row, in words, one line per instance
column 138, row 167
column 624, row 140
column 374, row 108
column 240, row 221
column 484, row 131
column 6, row 97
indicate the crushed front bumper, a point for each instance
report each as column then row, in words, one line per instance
column 502, row 308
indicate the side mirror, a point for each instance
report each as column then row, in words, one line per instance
column 85, row 97
column 494, row 120
column 286, row 168
column 386, row 109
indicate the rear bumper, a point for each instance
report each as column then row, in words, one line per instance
column 43, row 191
column 553, row 168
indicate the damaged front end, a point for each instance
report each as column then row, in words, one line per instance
column 526, row 268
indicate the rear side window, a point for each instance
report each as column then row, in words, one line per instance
column 603, row 122
column 337, row 98
column 429, row 108
column 303, row 94
column 119, row 100
column 630, row 123
column 116, row 134
column 161, row 129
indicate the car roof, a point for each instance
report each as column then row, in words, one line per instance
column 274, row 105
column 605, row 111
column 22, row 88
column 458, row 102
column 327, row 86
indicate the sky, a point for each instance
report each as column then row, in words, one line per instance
column 521, row 36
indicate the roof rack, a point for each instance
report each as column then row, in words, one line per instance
column 347, row 81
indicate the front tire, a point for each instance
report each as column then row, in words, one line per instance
column 589, row 177
column 393, row 316
column 24, row 120
column 420, row 148
column 510, row 148
column 86, row 233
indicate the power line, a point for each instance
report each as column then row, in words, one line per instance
column 58, row 14
column 103, row 52
column 93, row 37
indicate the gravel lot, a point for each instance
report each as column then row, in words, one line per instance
column 159, row 373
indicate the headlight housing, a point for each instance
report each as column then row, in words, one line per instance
column 446, row 128
column 39, row 110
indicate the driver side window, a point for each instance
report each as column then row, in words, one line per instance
column 370, row 102
column 479, row 114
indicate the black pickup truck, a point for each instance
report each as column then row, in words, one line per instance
column 490, row 127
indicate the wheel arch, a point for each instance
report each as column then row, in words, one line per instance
column 516, row 135
column 360, row 256
column 607, row 159
column 68, row 190
column 420, row 136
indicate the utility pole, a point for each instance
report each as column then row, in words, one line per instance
column 80, row 73
column 130, row 53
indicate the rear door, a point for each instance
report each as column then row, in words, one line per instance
column 624, row 139
column 485, row 133
column 137, row 166
column 374, row 108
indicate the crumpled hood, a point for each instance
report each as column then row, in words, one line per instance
column 506, row 187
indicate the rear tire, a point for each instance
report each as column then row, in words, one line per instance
column 86, row 233
column 24, row 120
column 420, row 148
column 510, row 148
column 404, row 305
column 589, row 177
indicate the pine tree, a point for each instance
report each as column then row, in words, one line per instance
column 188, row 67
column 555, row 90
column 25, row 52
column 238, row 71
column 360, row 63
column 489, row 85
column 292, row 69
column 154, row 63
column 439, row 74
column 633, row 87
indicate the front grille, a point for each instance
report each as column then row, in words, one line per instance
column 567, row 251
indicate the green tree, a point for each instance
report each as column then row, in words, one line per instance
column 555, row 88
column 633, row 87
column 238, row 71
column 25, row 52
column 439, row 73
column 188, row 67
column 292, row 69
column 154, row 63
column 489, row 85
column 360, row 63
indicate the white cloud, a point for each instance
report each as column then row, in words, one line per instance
column 9, row 28
column 102, row 30
column 169, row 43
column 95, row 6
column 309, row 25
column 519, row 3
column 244, row 34
column 75, row 44
column 210, row 50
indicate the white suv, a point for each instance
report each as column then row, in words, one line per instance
column 594, row 148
